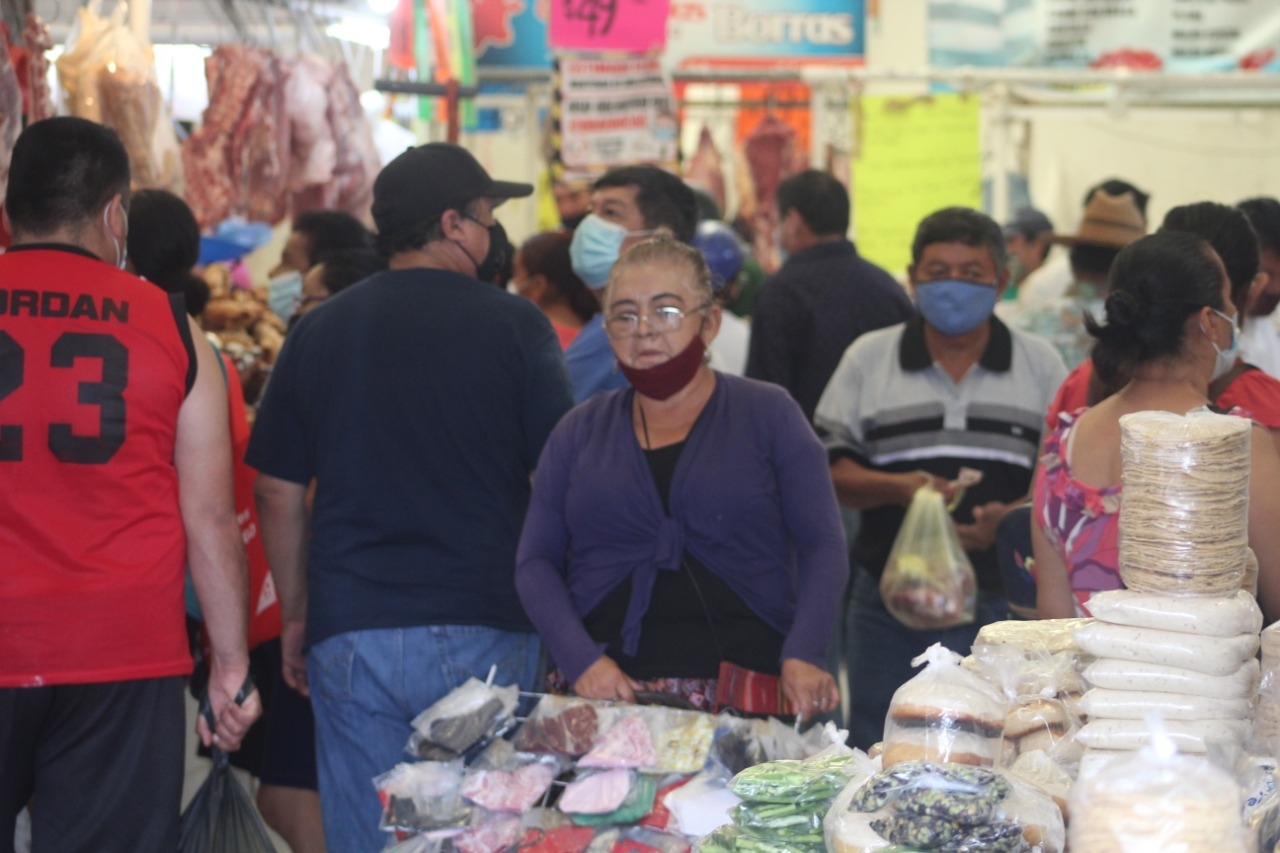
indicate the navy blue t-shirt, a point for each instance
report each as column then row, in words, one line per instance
column 419, row 401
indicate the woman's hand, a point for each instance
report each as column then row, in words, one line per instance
column 810, row 689
column 604, row 679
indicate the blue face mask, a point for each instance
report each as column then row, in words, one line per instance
column 284, row 291
column 1225, row 358
column 595, row 248
column 955, row 307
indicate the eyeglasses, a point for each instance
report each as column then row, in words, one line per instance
column 663, row 319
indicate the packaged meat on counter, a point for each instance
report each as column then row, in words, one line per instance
column 945, row 713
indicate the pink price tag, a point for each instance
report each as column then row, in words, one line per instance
column 628, row 26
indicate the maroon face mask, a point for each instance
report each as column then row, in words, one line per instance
column 662, row 380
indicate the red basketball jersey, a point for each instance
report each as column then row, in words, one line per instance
column 94, row 366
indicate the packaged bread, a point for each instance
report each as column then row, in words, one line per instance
column 1050, row 635
column 1041, row 724
column 944, row 713
column 1157, row 800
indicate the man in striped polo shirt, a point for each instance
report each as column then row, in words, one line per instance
column 911, row 405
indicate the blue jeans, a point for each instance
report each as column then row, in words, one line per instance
column 366, row 687
column 880, row 649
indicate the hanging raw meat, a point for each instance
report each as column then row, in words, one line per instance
column 37, row 40
column 208, row 154
column 238, row 161
column 264, row 155
column 357, row 164
column 10, row 112
column 706, row 168
column 312, row 147
column 770, row 150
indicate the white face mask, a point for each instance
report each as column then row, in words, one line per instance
column 122, row 255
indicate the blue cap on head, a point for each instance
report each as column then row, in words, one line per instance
column 722, row 249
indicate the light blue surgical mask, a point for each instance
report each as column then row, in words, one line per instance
column 595, row 248
column 284, row 292
column 1225, row 359
column 953, row 306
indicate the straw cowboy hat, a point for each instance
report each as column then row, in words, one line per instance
column 1109, row 220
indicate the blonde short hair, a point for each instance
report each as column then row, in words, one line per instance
column 664, row 249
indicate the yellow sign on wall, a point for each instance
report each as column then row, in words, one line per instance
column 914, row 156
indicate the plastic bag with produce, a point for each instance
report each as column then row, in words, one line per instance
column 928, row 582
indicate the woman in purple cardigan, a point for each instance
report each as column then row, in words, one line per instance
column 683, row 536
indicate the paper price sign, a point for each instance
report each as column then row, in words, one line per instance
column 626, row 26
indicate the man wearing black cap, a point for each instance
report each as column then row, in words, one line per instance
column 418, row 401
column 1028, row 236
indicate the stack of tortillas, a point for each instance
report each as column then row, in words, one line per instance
column 1184, row 502
column 1201, row 814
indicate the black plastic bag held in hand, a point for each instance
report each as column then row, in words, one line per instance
column 221, row 817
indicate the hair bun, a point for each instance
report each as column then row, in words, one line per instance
column 1122, row 308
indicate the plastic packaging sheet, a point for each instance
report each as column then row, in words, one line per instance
column 1157, row 801
column 1184, row 513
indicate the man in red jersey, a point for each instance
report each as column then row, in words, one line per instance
column 115, row 471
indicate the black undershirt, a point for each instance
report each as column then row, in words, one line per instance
column 676, row 635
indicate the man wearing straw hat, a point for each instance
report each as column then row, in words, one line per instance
column 1110, row 223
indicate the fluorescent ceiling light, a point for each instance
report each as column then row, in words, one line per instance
column 361, row 31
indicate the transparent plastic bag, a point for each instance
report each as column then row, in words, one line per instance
column 466, row 716
column 928, row 582
column 682, row 739
column 627, row 743
column 1157, row 801
column 816, row 779
column 517, row 787
column 945, row 713
column 422, row 796
column 928, row 805
column 563, row 725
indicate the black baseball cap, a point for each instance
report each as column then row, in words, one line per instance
column 424, row 182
